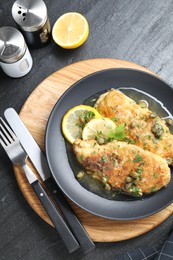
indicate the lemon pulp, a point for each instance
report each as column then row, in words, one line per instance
column 70, row 30
column 75, row 119
column 98, row 128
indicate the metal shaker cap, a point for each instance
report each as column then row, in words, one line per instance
column 30, row 15
column 12, row 44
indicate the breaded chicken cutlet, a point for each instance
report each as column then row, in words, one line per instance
column 143, row 127
column 123, row 166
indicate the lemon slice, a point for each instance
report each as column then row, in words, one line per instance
column 99, row 129
column 75, row 119
column 70, row 30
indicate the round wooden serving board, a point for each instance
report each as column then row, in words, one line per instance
column 35, row 113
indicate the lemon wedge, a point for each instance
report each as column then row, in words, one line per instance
column 98, row 129
column 70, row 30
column 75, row 119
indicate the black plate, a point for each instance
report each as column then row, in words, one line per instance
column 57, row 150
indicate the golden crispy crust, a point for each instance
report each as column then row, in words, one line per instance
column 123, row 165
column 139, row 123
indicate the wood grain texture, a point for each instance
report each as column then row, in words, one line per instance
column 35, row 113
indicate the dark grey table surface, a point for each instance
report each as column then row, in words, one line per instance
column 133, row 30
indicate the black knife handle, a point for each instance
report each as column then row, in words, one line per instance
column 62, row 228
column 74, row 223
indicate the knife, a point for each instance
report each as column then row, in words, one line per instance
column 39, row 161
column 18, row 156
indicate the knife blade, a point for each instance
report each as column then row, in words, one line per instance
column 39, row 161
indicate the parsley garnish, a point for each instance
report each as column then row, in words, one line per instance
column 137, row 158
column 152, row 189
column 87, row 116
column 119, row 133
column 115, row 119
column 104, row 158
column 81, row 157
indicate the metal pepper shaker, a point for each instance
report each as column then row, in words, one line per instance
column 15, row 58
column 32, row 20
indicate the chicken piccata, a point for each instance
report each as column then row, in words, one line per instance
column 123, row 166
column 143, row 127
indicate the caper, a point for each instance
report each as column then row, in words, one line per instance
column 154, row 129
column 169, row 121
column 164, row 121
column 115, row 161
column 127, row 186
column 152, row 115
column 157, row 130
column 95, row 176
column 134, row 175
column 133, row 124
column 135, row 182
column 129, row 179
column 107, row 186
column 104, row 179
column 143, row 103
column 80, row 174
column 159, row 127
column 101, row 140
column 159, row 133
column 136, row 190
column 169, row 160
column 131, row 190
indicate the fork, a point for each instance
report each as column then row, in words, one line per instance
column 18, row 156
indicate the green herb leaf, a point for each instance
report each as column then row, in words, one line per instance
column 81, row 157
column 104, row 158
column 139, row 170
column 119, row 133
column 115, row 119
column 137, row 158
column 152, row 189
column 87, row 116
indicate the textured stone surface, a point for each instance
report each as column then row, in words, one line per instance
column 133, row 30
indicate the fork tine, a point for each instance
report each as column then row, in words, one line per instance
column 8, row 132
column 2, row 141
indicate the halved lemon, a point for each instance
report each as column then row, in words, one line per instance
column 75, row 119
column 98, row 128
column 70, row 30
